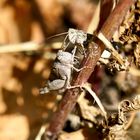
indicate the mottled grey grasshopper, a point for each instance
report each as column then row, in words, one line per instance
column 61, row 73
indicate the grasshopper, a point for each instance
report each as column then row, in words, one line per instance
column 61, row 73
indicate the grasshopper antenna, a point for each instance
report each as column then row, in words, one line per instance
column 57, row 35
column 47, row 39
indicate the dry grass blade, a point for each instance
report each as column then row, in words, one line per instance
column 93, row 94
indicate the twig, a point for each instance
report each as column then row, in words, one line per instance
column 69, row 100
column 27, row 46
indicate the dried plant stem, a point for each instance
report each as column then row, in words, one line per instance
column 12, row 48
column 27, row 46
column 93, row 94
column 95, row 49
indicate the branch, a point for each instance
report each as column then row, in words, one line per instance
column 94, row 52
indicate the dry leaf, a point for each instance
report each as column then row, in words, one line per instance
column 88, row 112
